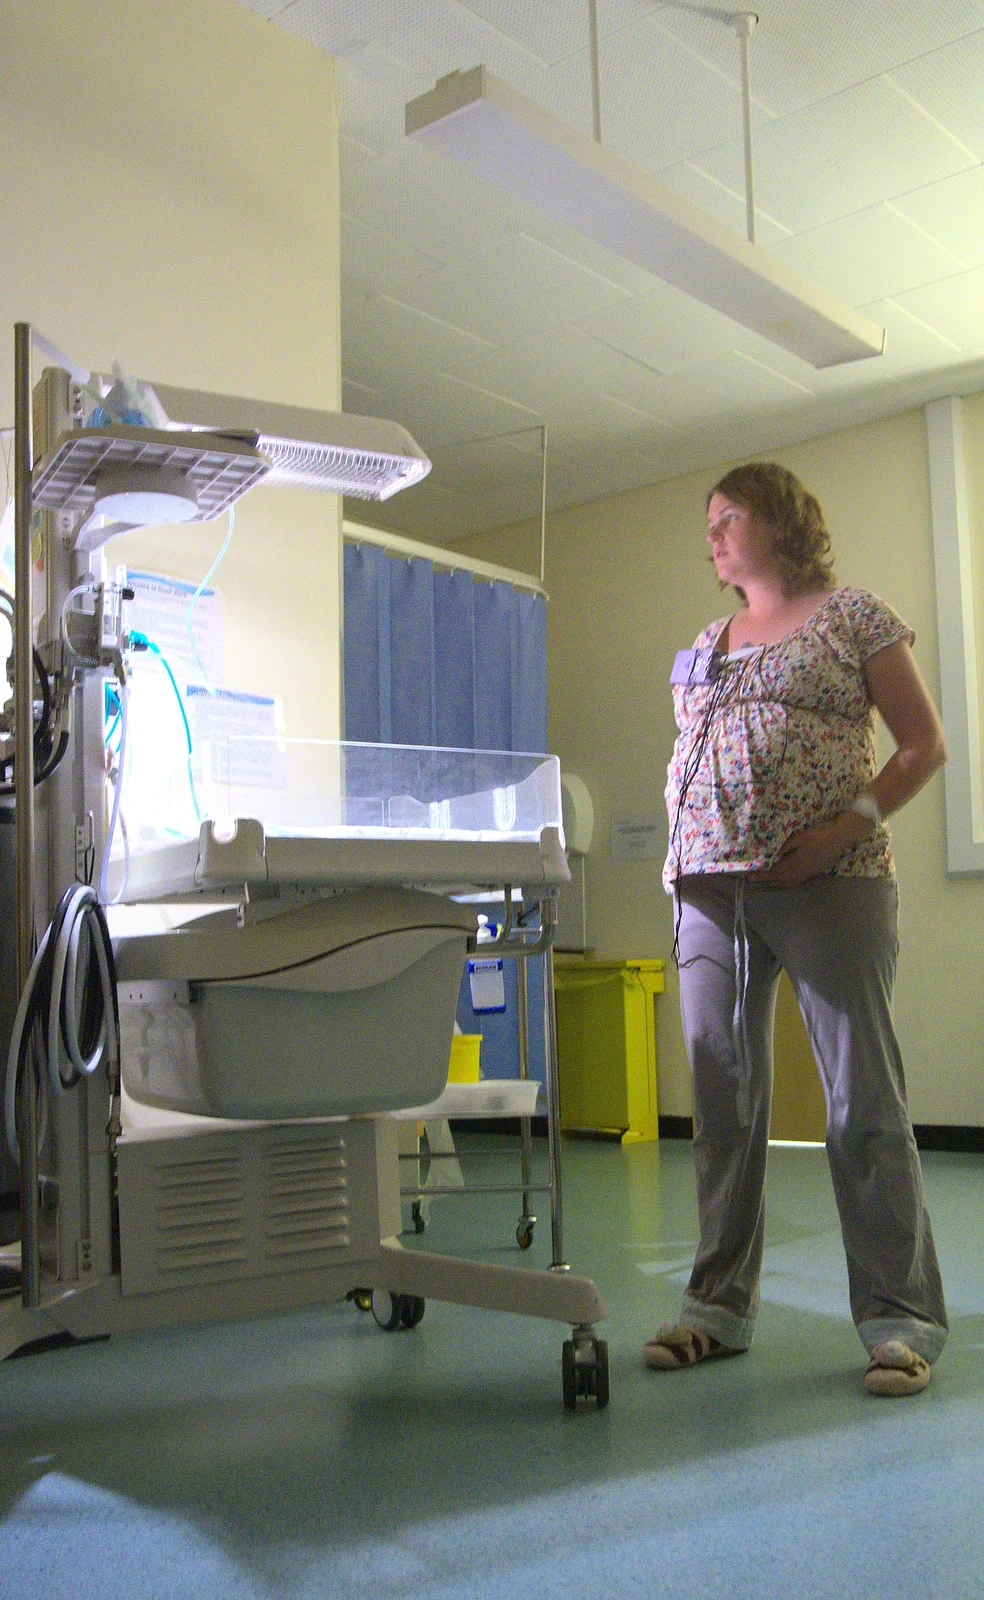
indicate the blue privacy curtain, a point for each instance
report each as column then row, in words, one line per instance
column 437, row 657
column 441, row 658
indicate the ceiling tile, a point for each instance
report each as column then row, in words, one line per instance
column 708, row 390
column 509, row 461
column 407, row 47
column 358, row 397
column 491, row 290
column 425, row 511
column 910, row 342
column 427, row 202
column 375, row 264
column 439, row 411
column 873, row 253
column 544, row 32
column 589, row 255
column 726, row 205
column 841, row 156
column 548, row 32
column 665, row 328
column 952, row 213
column 660, row 102
column 367, row 113
column 603, row 423
column 352, row 154
column 379, row 336
column 799, row 54
column 339, row 27
column 948, row 83
column 271, row 9
column 552, row 370
column 953, row 308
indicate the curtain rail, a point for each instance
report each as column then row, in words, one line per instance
column 440, row 555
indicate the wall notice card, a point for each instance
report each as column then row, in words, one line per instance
column 637, row 839
column 235, row 737
column 159, row 609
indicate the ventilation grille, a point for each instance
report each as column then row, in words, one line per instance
column 220, row 469
column 307, row 1197
column 364, row 474
column 217, row 1207
column 201, row 1216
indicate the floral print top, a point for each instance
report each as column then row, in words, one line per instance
column 782, row 740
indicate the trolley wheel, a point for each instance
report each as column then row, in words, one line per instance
column 412, row 1308
column 584, row 1371
column 417, row 1218
column 569, row 1374
column 386, row 1309
column 362, row 1298
column 524, row 1234
column 601, row 1374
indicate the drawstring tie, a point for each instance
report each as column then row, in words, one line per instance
column 739, row 1034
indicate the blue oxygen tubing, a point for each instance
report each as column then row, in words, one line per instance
column 190, row 614
column 114, row 815
column 139, row 641
column 143, row 642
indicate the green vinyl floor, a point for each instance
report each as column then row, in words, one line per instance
column 313, row 1455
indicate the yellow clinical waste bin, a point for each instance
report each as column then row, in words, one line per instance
column 606, row 1047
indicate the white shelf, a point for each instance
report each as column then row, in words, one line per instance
column 493, row 1097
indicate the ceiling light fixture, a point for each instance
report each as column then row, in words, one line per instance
column 494, row 130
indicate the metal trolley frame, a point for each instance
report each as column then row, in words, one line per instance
column 83, row 1269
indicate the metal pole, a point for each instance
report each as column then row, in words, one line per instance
column 24, row 795
column 525, row 1139
column 595, row 70
column 745, row 24
column 543, row 500
column 548, row 916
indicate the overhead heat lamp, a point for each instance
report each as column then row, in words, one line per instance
column 212, row 449
column 491, row 128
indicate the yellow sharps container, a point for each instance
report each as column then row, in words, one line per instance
column 606, row 1047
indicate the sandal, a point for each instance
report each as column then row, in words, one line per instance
column 676, row 1346
column 895, row 1370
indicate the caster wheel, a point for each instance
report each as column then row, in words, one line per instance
column 412, row 1308
column 584, row 1371
column 393, row 1311
column 386, row 1309
column 601, row 1374
column 524, row 1234
column 569, row 1377
column 417, row 1219
column 362, row 1298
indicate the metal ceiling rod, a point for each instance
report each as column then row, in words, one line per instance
column 595, row 70
column 27, row 1125
column 543, row 501
column 745, row 24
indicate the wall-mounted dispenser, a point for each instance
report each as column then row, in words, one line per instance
column 578, row 816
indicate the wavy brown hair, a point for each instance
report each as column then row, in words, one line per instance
column 776, row 495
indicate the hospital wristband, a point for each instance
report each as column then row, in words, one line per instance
column 867, row 806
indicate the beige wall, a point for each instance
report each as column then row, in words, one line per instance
column 629, row 586
column 973, row 419
column 170, row 182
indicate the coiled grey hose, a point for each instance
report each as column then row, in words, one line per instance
column 71, row 1045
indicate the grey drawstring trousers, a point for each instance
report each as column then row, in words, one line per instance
column 836, row 939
